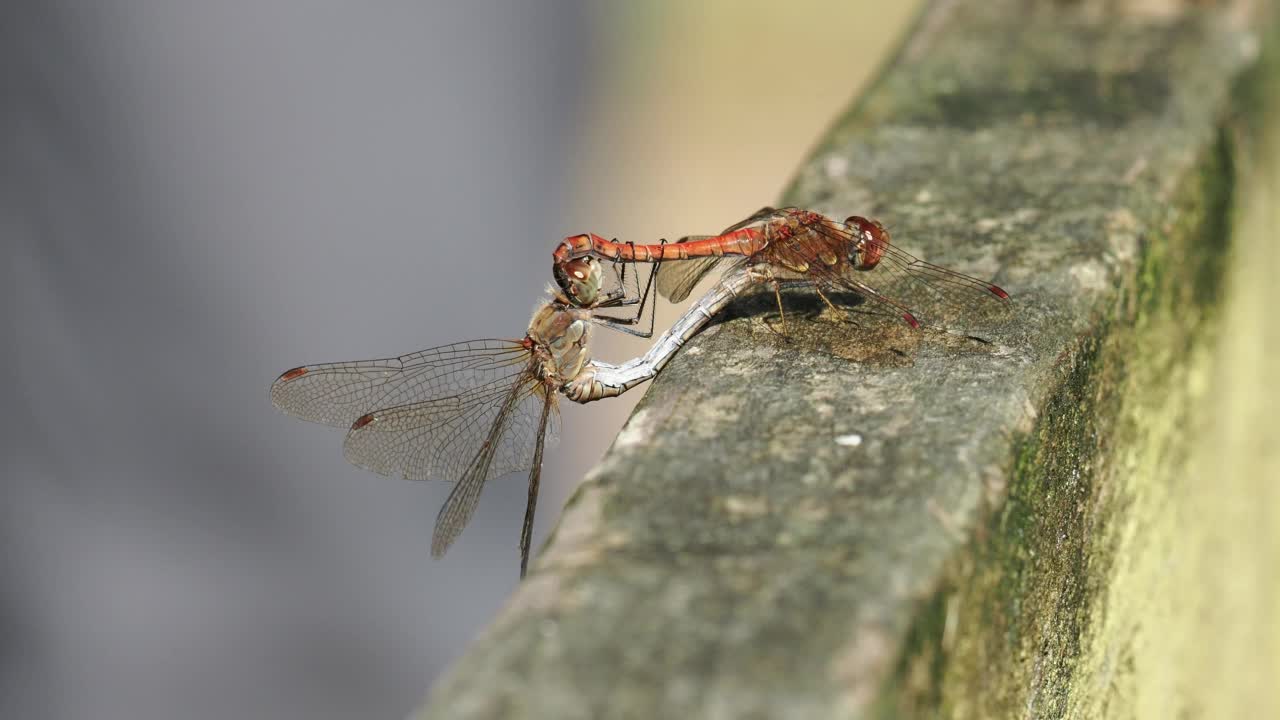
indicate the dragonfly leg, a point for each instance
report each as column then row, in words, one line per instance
column 763, row 275
column 845, row 313
column 782, row 316
column 818, row 289
column 622, row 298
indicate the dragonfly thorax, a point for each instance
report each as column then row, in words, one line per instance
column 558, row 336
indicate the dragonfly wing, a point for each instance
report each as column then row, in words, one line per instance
column 928, row 294
column 512, row 440
column 422, row 415
column 764, row 213
column 338, row 393
column 439, row 439
column 469, row 412
column 677, row 278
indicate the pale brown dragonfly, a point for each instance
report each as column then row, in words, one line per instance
column 472, row 411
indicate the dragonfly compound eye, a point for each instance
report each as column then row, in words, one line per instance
column 870, row 240
column 580, row 280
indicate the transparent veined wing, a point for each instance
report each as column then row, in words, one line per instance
column 426, row 414
column 677, row 278
column 921, row 292
column 442, row 438
column 514, row 440
column 338, row 393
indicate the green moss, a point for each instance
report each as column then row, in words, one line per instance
column 1013, row 630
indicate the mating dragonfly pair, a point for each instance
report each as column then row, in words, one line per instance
column 474, row 411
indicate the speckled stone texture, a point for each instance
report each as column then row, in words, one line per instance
column 863, row 521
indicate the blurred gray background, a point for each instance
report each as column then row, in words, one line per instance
column 197, row 196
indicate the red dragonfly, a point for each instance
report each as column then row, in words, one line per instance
column 795, row 246
column 471, row 411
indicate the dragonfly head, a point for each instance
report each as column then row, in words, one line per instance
column 580, row 280
column 870, row 239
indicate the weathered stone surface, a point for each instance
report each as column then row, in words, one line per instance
column 862, row 521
